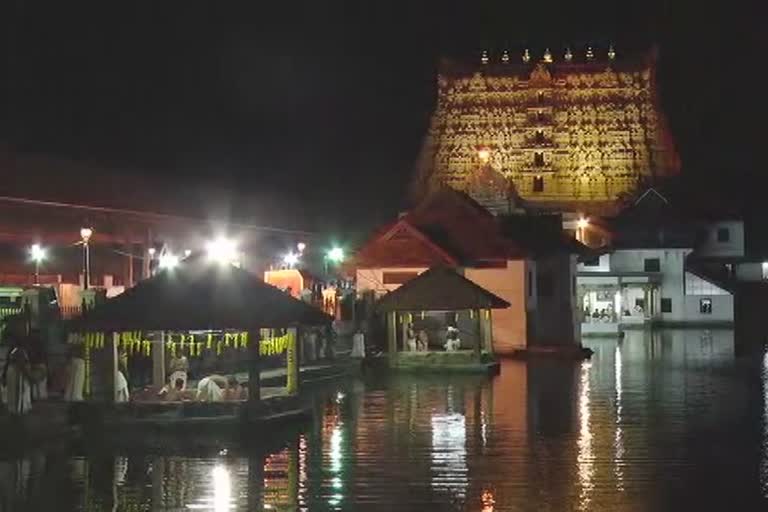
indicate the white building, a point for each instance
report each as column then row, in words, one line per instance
column 657, row 270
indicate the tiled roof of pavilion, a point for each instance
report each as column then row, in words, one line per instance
column 440, row 289
column 199, row 295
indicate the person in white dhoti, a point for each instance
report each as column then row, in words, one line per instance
column 121, row 388
column 452, row 342
column 17, row 381
column 75, row 375
column 410, row 339
column 358, row 345
column 211, row 388
column 179, row 369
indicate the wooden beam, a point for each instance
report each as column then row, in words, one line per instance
column 254, row 367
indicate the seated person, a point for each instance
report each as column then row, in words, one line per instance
column 410, row 339
column 234, row 390
column 173, row 393
column 211, row 388
column 452, row 341
column 422, row 342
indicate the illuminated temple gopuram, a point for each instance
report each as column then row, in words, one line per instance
column 564, row 132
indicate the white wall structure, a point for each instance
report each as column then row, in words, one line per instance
column 723, row 239
column 678, row 296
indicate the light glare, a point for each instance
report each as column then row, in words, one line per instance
column 291, row 259
column 336, row 254
column 168, row 261
column 222, row 250
column 37, row 253
column 86, row 233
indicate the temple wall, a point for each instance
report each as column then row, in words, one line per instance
column 509, row 325
column 557, row 134
column 368, row 279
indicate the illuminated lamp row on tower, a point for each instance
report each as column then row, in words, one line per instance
column 547, row 57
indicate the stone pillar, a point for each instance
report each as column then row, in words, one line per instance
column 392, row 335
column 486, row 330
column 292, row 363
column 254, row 366
column 478, row 347
column 158, row 361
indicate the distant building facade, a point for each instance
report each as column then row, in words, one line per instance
column 665, row 265
column 535, row 274
column 566, row 132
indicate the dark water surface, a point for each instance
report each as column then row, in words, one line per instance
column 670, row 422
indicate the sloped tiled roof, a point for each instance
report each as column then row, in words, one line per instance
column 440, row 289
column 199, row 295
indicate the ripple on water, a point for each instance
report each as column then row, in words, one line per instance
column 663, row 423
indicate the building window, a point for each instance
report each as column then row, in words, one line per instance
column 538, row 159
column 541, row 96
column 666, row 305
column 594, row 262
column 652, row 265
column 539, row 137
column 765, row 270
column 538, row 184
column 398, row 277
column 723, row 235
column 540, row 116
column 705, row 306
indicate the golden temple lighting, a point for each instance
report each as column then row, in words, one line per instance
column 484, row 155
column 582, row 223
column 547, row 56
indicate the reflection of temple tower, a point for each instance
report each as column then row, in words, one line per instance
column 568, row 133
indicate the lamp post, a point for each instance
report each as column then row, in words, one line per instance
column 335, row 255
column 37, row 253
column 85, row 236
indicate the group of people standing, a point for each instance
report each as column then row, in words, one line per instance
column 25, row 372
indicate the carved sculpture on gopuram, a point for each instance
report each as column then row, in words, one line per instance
column 564, row 134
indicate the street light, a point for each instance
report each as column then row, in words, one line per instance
column 37, row 254
column 222, row 250
column 301, row 246
column 168, row 261
column 85, row 236
column 291, row 259
column 335, row 255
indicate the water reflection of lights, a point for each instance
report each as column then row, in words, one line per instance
column 488, row 501
column 222, row 488
column 303, row 448
column 449, row 453
column 764, row 465
column 585, row 459
column 618, row 462
column 335, row 454
column 222, row 492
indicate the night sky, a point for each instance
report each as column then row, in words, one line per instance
column 325, row 103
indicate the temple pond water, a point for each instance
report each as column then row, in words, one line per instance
column 672, row 421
